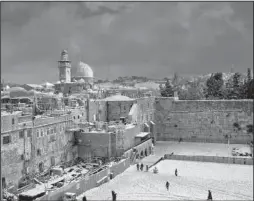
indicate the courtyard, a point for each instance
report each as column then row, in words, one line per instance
column 226, row 181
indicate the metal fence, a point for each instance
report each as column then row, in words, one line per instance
column 215, row 159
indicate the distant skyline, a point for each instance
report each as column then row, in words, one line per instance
column 152, row 39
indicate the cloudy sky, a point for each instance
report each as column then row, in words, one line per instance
column 125, row 38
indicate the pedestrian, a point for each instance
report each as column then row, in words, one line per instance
column 141, row 167
column 167, row 185
column 176, row 173
column 113, row 196
column 147, row 168
column 210, row 197
column 138, row 166
column 84, row 198
column 180, row 140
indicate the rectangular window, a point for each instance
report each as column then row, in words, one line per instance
column 6, row 139
column 38, row 152
column 55, row 129
column 42, row 132
column 38, row 133
column 13, row 121
column 21, row 134
column 48, row 131
column 29, row 133
column 52, row 138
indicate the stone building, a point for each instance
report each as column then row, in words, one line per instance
column 69, row 84
column 32, row 145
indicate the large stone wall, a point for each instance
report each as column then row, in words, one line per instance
column 11, row 161
column 98, row 109
column 117, row 109
column 94, row 144
column 206, row 121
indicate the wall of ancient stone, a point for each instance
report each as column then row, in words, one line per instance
column 94, row 144
column 117, row 109
column 48, row 142
column 204, row 120
column 97, row 109
column 11, row 159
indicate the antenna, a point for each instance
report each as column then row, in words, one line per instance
column 232, row 68
column 108, row 71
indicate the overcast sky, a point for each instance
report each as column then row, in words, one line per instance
column 125, row 38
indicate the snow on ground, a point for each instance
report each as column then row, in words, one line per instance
column 192, row 148
column 227, row 182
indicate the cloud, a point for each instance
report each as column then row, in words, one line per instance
column 134, row 38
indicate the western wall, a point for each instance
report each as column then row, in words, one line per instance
column 204, row 120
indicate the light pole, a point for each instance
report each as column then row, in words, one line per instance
column 228, row 136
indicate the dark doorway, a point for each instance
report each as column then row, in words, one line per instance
column 41, row 167
column 3, row 182
column 145, row 152
column 142, row 154
column 53, row 161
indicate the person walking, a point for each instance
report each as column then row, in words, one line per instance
column 84, row 198
column 138, row 166
column 167, row 185
column 113, row 196
column 176, row 173
column 141, row 167
column 210, row 197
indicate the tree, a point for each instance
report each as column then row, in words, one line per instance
column 214, row 86
column 233, row 89
column 249, row 75
column 167, row 90
column 194, row 91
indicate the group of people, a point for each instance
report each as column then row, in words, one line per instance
column 141, row 166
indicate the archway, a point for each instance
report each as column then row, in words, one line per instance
column 145, row 152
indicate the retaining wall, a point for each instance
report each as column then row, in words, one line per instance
column 214, row 159
column 204, row 120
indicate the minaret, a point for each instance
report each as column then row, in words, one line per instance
column 64, row 66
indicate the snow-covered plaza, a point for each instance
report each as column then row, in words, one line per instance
column 226, row 181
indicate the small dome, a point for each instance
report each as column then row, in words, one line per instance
column 18, row 92
column 14, row 89
column 84, row 70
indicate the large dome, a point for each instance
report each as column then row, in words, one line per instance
column 84, row 70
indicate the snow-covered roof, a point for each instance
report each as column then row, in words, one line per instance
column 133, row 109
column 34, row 86
column 142, row 134
column 118, row 98
column 47, row 84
